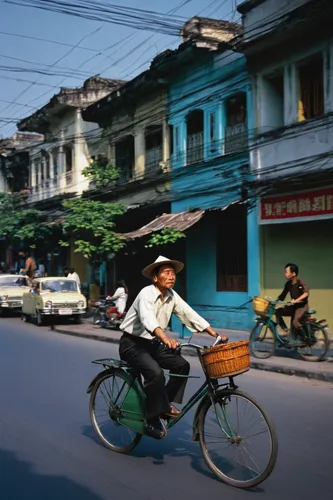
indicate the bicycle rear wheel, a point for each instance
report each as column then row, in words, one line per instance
column 262, row 341
column 237, row 439
column 106, row 401
column 317, row 344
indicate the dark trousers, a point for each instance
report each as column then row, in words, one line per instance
column 295, row 313
column 149, row 358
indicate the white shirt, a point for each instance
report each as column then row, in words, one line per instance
column 120, row 298
column 74, row 276
column 149, row 312
column 41, row 270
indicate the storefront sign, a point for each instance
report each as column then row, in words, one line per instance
column 307, row 205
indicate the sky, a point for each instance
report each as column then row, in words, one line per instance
column 84, row 48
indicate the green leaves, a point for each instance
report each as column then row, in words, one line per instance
column 93, row 223
column 18, row 224
column 101, row 172
column 165, row 236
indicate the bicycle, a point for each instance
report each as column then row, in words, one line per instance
column 312, row 342
column 106, row 315
column 118, row 394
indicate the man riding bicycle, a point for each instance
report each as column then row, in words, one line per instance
column 299, row 293
column 147, row 349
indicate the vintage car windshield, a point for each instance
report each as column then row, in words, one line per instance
column 12, row 281
column 58, row 286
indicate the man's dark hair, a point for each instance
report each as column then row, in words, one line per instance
column 293, row 268
column 72, row 270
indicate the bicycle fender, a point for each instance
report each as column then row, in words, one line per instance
column 221, row 392
column 99, row 375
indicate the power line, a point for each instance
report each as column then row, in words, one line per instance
column 24, row 91
column 18, row 104
column 249, row 31
column 46, row 40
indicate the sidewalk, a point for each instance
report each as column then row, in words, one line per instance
column 286, row 362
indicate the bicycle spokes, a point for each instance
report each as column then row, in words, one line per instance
column 237, row 438
column 107, row 410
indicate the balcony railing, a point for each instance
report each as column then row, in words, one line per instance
column 194, row 148
column 153, row 159
column 125, row 168
column 236, row 139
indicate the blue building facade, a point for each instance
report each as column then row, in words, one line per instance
column 210, row 116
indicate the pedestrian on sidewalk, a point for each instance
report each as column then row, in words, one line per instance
column 146, row 347
column 120, row 296
column 41, row 269
column 30, row 266
column 74, row 276
column 66, row 271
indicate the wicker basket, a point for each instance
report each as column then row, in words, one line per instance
column 227, row 360
column 261, row 306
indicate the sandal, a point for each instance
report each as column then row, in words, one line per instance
column 173, row 413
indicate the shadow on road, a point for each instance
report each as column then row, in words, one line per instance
column 18, row 481
column 177, row 444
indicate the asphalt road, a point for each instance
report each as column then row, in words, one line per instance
column 48, row 450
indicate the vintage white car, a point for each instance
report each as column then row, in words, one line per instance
column 12, row 288
column 53, row 297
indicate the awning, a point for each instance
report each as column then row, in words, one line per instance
column 180, row 221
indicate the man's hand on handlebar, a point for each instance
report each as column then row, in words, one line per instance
column 220, row 339
column 170, row 343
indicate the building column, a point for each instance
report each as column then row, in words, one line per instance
column 166, row 143
column 207, row 133
column 61, row 166
column 33, row 180
column 79, row 162
column 182, row 130
column 291, row 93
column 52, row 180
column 253, row 256
column 222, row 124
column 139, row 151
column 46, row 180
column 328, row 79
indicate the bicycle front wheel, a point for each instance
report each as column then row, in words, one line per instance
column 262, row 341
column 97, row 318
column 237, row 439
column 106, row 401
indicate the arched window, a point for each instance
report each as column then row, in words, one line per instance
column 236, row 124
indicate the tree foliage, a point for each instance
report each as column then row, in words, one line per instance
column 19, row 224
column 93, row 226
column 101, row 172
column 164, row 237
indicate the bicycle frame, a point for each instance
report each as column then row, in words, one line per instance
column 209, row 387
column 132, row 409
column 270, row 323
